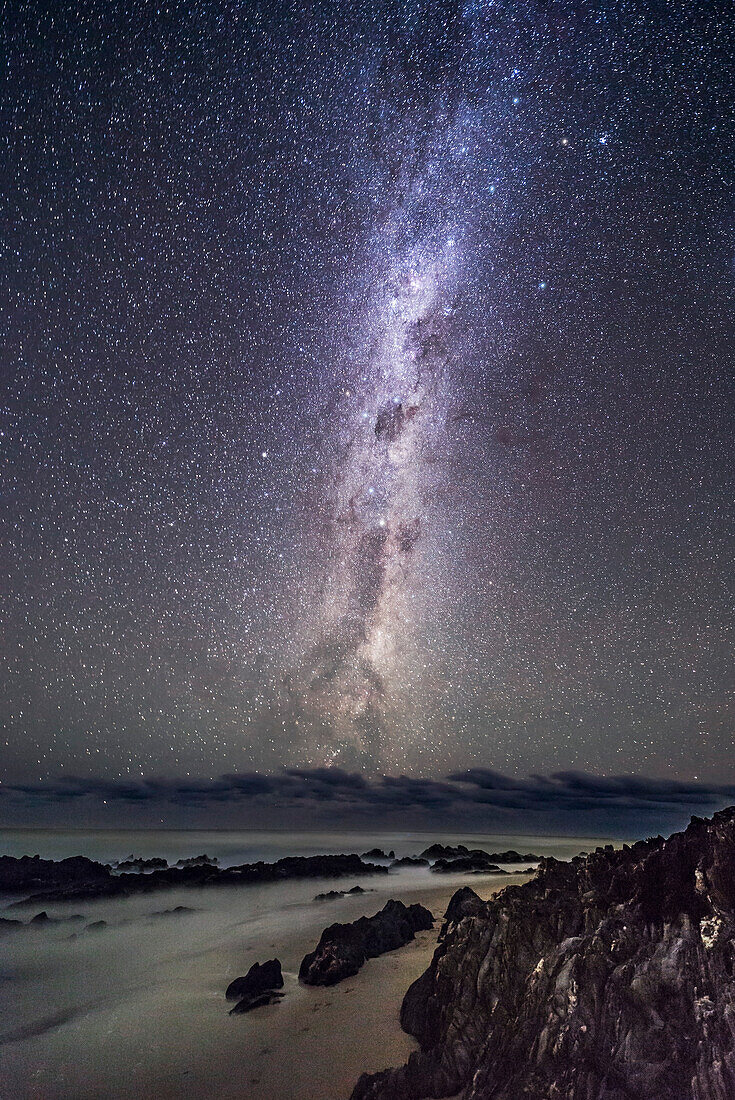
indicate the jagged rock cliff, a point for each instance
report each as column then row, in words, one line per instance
column 607, row 978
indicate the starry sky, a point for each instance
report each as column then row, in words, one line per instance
column 367, row 388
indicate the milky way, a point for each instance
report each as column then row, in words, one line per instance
column 367, row 388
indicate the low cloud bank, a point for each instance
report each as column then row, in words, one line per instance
column 475, row 800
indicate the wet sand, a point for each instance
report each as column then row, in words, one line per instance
column 162, row 1029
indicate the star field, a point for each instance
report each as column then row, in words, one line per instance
column 367, row 388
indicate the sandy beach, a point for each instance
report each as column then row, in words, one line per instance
column 158, row 1023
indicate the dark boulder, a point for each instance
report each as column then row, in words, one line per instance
column 259, row 978
column 343, row 948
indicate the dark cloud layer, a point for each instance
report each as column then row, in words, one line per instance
column 477, row 799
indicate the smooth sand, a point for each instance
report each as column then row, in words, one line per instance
column 168, row 1033
column 315, row 1044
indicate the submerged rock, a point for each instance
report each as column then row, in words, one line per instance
column 332, row 895
column 43, row 918
column 343, row 948
column 256, row 1001
column 605, row 978
column 177, row 911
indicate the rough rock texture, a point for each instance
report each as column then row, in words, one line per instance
column 80, row 878
column 343, row 948
column 465, row 903
column 607, row 978
column 410, row 861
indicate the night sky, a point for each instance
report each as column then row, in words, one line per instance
column 367, row 388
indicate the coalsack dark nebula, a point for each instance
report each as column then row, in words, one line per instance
column 363, row 687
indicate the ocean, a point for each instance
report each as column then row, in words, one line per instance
column 136, row 1007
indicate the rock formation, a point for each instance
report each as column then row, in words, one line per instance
column 460, row 851
column 30, row 874
column 257, row 987
column 611, row 977
column 137, row 863
column 471, row 864
column 84, row 879
column 343, row 948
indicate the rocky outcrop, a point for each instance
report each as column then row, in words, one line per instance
column 460, row 851
column 611, row 977
column 467, row 865
column 343, row 948
column 378, row 853
column 409, row 861
column 257, row 987
column 137, row 863
column 83, row 879
column 31, row 874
